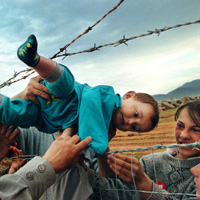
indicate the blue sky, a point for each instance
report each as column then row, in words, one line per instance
column 153, row 64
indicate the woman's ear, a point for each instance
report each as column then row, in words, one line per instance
column 129, row 95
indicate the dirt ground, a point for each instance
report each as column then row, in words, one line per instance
column 162, row 134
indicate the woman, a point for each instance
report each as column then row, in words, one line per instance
column 172, row 167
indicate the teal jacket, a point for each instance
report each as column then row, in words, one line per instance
column 90, row 108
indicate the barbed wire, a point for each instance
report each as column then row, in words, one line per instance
column 88, row 29
column 191, row 196
column 9, row 81
column 124, row 40
column 158, row 146
column 28, row 72
column 152, row 148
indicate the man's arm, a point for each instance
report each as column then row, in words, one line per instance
column 32, row 180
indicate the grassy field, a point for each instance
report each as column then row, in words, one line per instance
column 162, row 134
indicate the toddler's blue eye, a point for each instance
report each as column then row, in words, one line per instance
column 136, row 114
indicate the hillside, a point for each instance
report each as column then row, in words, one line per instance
column 187, row 89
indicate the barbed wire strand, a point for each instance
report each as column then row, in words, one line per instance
column 9, row 81
column 152, row 148
column 157, row 146
column 124, row 39
column 192, row 196
column 88, row 29
column 95, row 48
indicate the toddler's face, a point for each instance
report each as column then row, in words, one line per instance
column 133, row 115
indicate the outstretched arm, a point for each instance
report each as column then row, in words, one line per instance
column 30, row 181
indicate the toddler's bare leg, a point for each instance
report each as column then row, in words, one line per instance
column 28, row 54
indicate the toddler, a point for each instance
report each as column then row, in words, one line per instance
column 91, row 109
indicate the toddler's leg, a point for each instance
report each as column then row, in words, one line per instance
column 27, row 53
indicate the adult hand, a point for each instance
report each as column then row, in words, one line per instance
column 64, row 152
column 8, row 134
column 32, row 89
column 129, row 169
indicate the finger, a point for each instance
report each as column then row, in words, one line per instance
column 14, row 144
column 14, row 136
column 126, row 159
column 119, row 162
column 122, row 172
column 41, row 93
column 68, row 132
column 75, row 139
column 83, row 144
column 63, row 137
column 40, row 87
column 9, row 131
column 3, row 129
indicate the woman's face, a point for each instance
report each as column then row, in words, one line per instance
column 186, row 131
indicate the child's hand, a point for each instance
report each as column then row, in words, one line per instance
column 16, row 164
column 8, row 134
column 129, row 169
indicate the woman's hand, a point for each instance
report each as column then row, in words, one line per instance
column 8, row 134
column 33, row 89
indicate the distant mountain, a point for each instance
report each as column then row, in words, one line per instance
column 187, row 89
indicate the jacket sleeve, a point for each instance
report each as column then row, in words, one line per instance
column 29, row 182
column 18, row 112
column 61, row 82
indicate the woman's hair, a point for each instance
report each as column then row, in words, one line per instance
column 193, row 109
column 146, row 98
